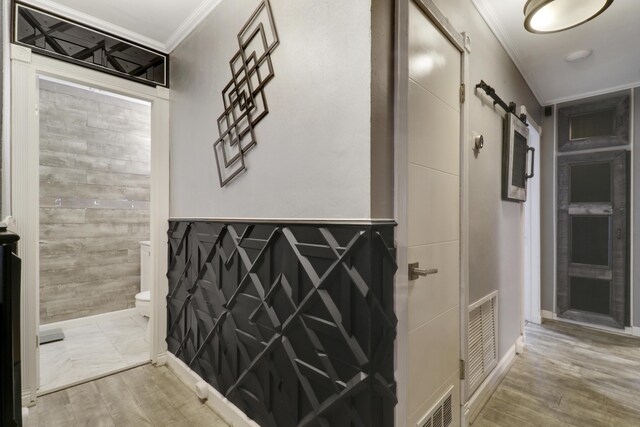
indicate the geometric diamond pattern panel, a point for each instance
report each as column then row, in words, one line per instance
column 293, row 323
column 244, row 99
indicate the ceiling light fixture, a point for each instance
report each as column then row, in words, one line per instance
column 551, row 16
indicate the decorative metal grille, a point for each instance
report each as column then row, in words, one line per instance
column 69, row 41
column 245, row 103
column 294, row 324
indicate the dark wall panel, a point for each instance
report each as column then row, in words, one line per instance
column 293, row 323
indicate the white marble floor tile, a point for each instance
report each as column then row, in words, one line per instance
column 93, row 349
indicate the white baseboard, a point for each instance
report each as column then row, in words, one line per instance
column 546, row 314
column 537, row 319
column 220, row 404
column 520, row 345
column 80, row 321
column 489, row 386
column 28, row 399
column 635, row 331
column 161, row 359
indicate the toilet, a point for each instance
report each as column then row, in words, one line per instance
column 143, row 298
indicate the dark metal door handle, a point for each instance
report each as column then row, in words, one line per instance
column 619, row 233
column 533, row 162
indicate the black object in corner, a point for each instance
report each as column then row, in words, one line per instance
column 10, row 383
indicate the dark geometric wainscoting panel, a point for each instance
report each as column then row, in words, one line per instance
column 293, row 323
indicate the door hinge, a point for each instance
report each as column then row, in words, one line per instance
column 462, row 93
column 462, row 369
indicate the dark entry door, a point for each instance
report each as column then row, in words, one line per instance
column 592, row 237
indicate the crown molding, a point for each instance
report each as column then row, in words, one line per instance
column 92, row 21
column 487, row 12
column 189, row 24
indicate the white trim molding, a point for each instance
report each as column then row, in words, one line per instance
column 229, row 412
column 488, row 387
column 24, row 183
column 546, row 314
column 190, row 24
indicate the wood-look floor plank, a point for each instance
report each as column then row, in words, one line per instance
column 88, row 406
column 152, row 401
column 54, row 410
column 120, row 403
column 185, row 401
column 569, row 376
column 143, row 396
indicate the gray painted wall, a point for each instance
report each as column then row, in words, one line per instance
column 94, row 201
column 315, row 148
column 496, row 227
column 314, row 154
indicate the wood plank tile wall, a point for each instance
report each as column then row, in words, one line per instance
column 94, row 200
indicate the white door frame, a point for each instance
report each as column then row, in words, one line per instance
column 23, row 210
column 401, row 154
column 531, row 295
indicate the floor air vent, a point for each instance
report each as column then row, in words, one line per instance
column 441, row 415
column 483, row 346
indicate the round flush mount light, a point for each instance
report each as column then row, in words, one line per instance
column 551, row 16
column 578, row 55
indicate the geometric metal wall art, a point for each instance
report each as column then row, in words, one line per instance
column 61, row 38
column 245, row 102
column 293, row 323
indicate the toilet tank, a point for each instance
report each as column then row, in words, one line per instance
column 145, row 266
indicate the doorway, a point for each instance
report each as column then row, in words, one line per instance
column 593, row 179
column 26, row 73
column 94, row 232
column 592, row 237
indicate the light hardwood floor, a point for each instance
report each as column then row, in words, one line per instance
column 569, row 376
column 143, row 396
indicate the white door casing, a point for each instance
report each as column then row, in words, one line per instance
column 25, row 72
column 433, row 188
column 532, row 286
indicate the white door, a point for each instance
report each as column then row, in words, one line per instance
column 532, row 237
column 433, row 219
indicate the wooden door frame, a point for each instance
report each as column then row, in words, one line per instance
column 401, row 149
column 23, row 212
column 563, row 238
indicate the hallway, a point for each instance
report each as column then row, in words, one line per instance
column 569, row 376
column 143, row 396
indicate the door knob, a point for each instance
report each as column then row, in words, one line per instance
column 415, row 271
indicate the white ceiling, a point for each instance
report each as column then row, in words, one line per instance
column 613, row 37
column 159, row 24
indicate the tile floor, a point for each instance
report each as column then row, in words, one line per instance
column 92, row 349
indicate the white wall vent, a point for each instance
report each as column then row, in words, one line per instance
column 483, row 341
column 441, row 414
